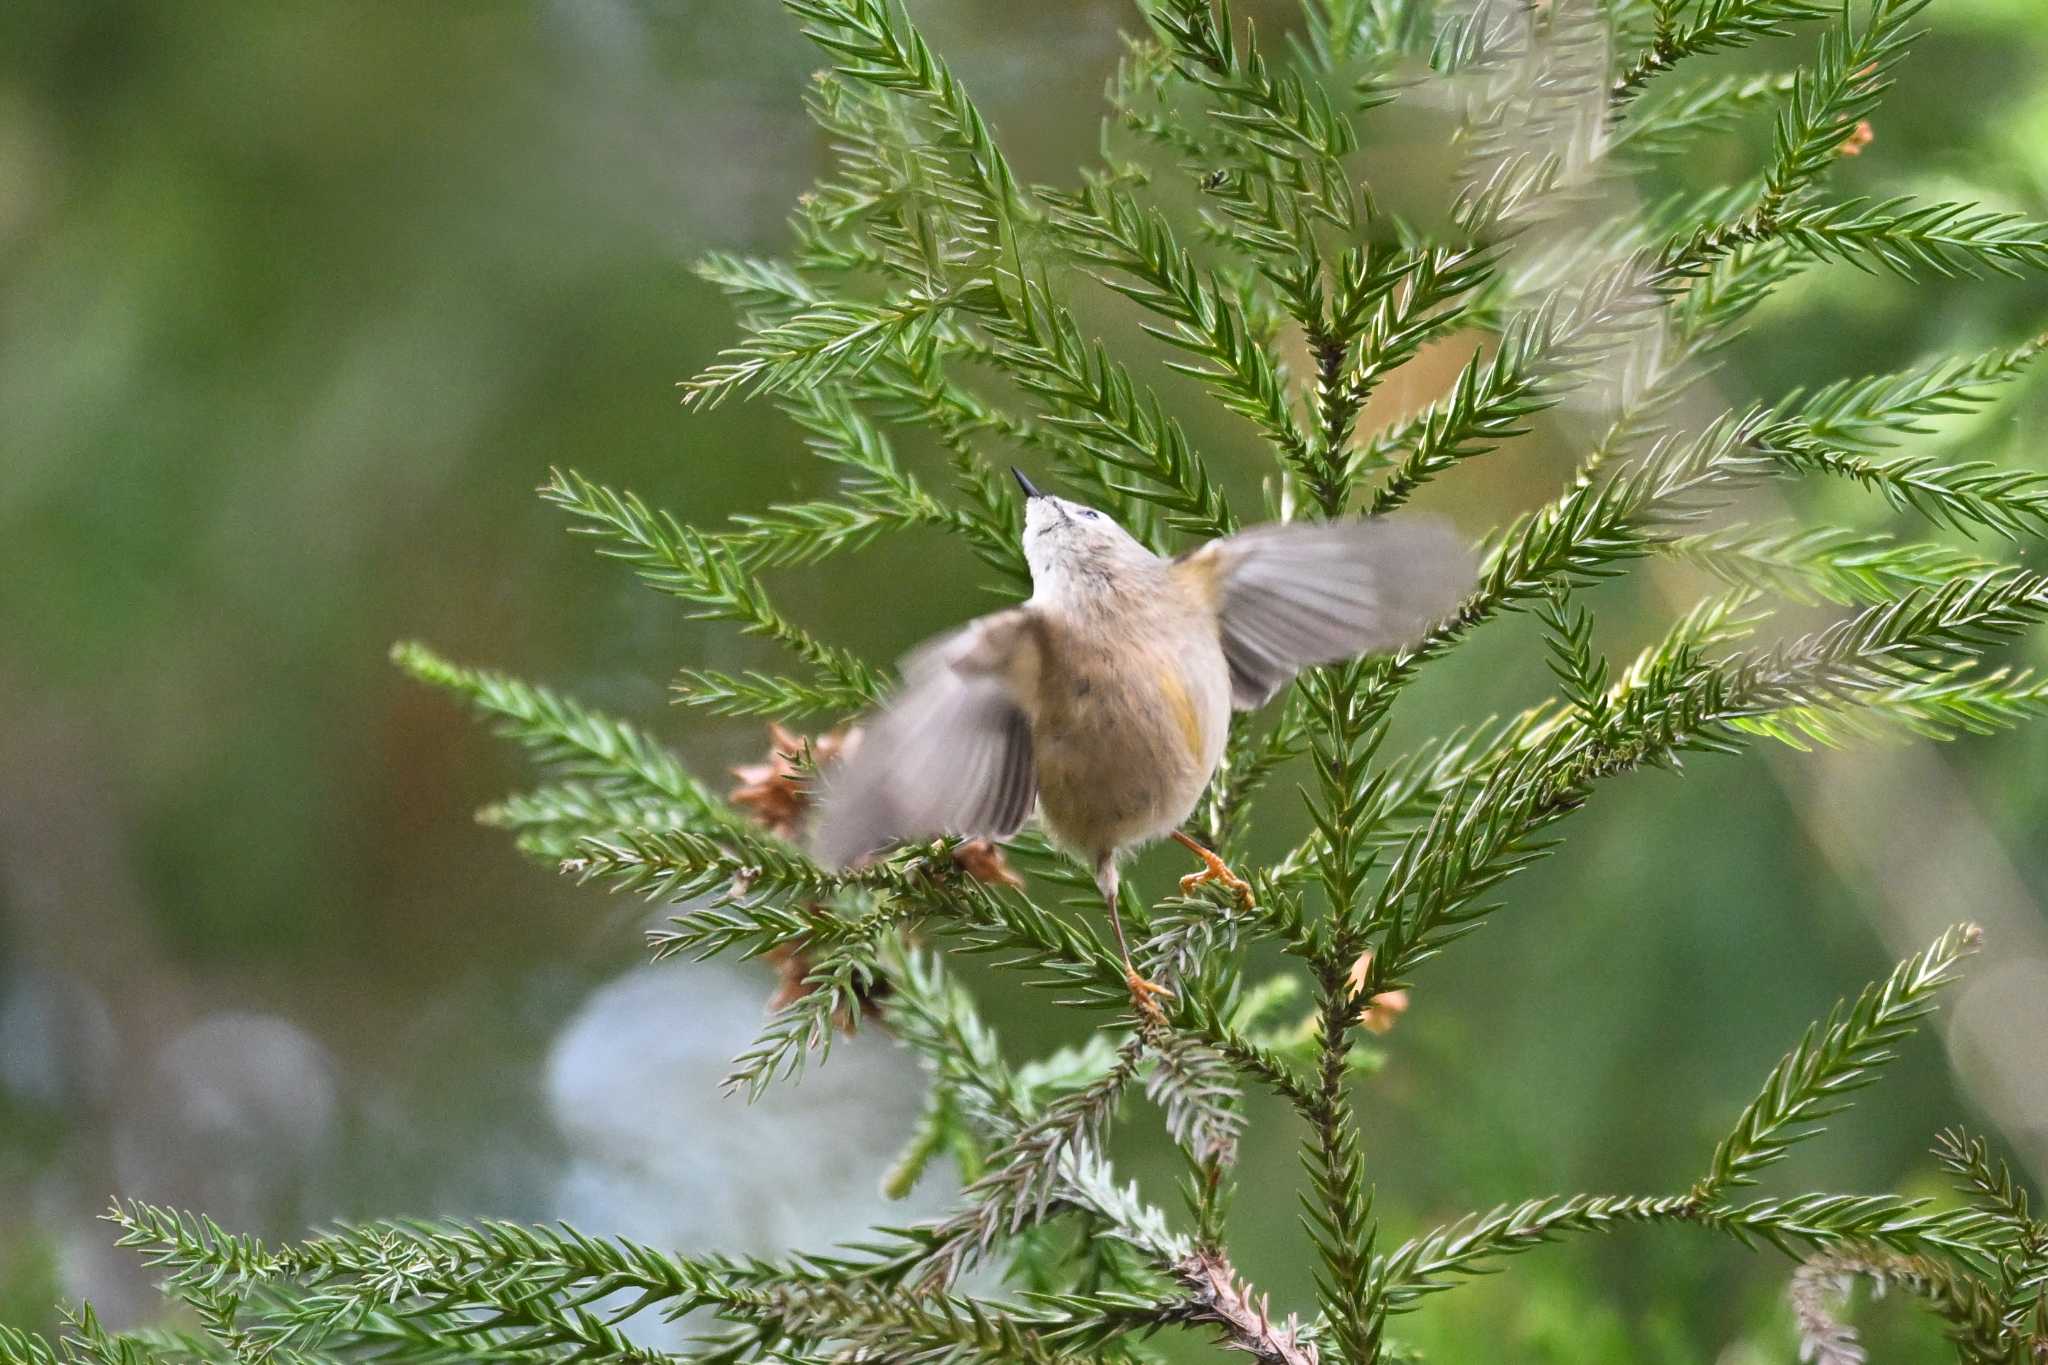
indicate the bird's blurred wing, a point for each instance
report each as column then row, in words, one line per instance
column 949, row 753
column 1288, row 596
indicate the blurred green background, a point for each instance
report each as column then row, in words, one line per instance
column 298, row 301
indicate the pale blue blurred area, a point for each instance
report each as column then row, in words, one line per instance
column 299, row 301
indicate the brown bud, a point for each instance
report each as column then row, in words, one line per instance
column 776, row 791
column 982, row 859
column 1380, row 1012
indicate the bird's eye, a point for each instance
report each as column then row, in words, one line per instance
column 1090, row 513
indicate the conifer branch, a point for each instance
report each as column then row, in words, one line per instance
column 943, row 1027
column 1489, row 828
column 1573, row 661
column 1382, row 310
column 1587, row 533
column 1715, row 25
column 1429, row 1264
column 1970, row 1314
column 773, row 696
column 1796, row 1226
column 1990, row 1187
column 1339, row 1216
column 1276, row 114
column 1673, row 124
column 1104, row 226
column 1095, row 402
column 1842, row 86
column 1092, row 395
column 1945, row 706
column 881, row 496
column 549, row 823
column 1837, row 1056
column 926, row 292
column 1872, row 412
column 1913, row 240
column 613, row 756
column 1025, row 1175
column 874, row 48
column 1193, row 1086
column 678, row 865
column 1974, row 495
column 922, row 395
column 1541, row 356
column 816, row 344
column 706, row 575
column 1220, row 1298
column 830, row 999
column 1824, row 564
column 1046, row 945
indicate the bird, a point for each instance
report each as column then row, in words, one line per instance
column 1103, row 701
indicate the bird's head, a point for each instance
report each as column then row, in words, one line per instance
column 1070, row 546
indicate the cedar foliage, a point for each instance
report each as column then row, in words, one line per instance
column 929, row 291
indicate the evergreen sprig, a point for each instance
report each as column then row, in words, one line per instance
column 1830, row 96
column 1837, row 1056
column 1824, row 563
column 1714, row 25
column 812, row 346
column 1913, row 239
column 935, row 318
column 615, row 757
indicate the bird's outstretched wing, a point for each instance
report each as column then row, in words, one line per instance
column 1288, row 596
column 949, row 753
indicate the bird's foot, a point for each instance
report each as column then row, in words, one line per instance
column 1214, row 869
column 1145, row 995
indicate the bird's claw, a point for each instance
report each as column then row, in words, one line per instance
column 1216, row 870
column 1145, row 995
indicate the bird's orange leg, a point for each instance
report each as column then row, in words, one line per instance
column 1214, row 869
column 1145, row 993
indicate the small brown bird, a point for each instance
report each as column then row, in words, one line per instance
column 1105, row 699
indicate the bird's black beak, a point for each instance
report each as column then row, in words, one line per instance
column 1031, row 490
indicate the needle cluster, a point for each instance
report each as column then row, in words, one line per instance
column 937, row 318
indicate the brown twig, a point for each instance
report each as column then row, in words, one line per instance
column 1217, row 1296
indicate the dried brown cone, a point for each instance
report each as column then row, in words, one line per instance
column 792, row 964
column 776, row 792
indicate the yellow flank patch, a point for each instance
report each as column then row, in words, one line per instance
column 1198, row 572
column 1182, row 706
